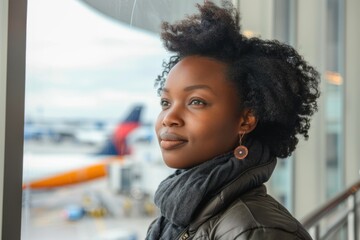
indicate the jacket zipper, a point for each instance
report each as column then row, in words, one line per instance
column 184, row 235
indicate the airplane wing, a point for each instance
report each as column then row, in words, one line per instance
column 50, row 171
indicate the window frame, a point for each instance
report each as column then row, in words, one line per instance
column 13, row 31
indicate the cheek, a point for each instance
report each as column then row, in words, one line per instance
column 158, row 123
column 221, row 133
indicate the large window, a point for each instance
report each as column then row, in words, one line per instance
column 90, row 109
column 85, row 73
column 90, row 71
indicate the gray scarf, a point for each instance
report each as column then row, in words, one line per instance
column 182, row 194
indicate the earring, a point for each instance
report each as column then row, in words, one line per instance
column 241, row 151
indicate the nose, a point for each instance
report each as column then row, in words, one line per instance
column 173, row 117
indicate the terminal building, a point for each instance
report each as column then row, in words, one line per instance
column 322, row 170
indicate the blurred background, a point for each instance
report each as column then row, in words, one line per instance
column 91, row 163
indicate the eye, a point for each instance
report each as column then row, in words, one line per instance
column 197, row 102
column 164, row 103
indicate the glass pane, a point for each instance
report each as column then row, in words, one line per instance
column 334, row 97
column 280, row 184
column 339, row 234
column 334, row 225
column 91, row 164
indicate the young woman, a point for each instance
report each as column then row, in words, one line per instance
column 231, row 105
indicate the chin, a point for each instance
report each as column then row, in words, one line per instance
column 175, row 164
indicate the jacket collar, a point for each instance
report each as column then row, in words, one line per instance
column 249, row 179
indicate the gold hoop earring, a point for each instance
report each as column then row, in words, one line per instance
column 241, row 151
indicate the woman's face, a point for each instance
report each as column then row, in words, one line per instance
column 200, row 115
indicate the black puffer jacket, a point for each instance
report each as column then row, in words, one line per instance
column 254, row 215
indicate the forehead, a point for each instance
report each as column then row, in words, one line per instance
column 197, row 70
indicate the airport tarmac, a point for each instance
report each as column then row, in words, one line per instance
column 44, row 214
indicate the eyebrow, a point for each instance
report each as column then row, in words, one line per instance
column 194, row 87
column 191, row 88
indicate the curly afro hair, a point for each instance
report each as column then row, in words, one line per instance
column 271, row 78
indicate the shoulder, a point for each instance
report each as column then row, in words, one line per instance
column 253, row 216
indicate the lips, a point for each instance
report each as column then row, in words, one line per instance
column 169, row 141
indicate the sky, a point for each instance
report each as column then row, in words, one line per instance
column 82, row 64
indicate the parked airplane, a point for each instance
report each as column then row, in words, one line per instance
column 40, row 173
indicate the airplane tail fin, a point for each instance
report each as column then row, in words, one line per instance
column 117, row 144
column 134, row 115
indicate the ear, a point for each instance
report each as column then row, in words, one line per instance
column 248, row 121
